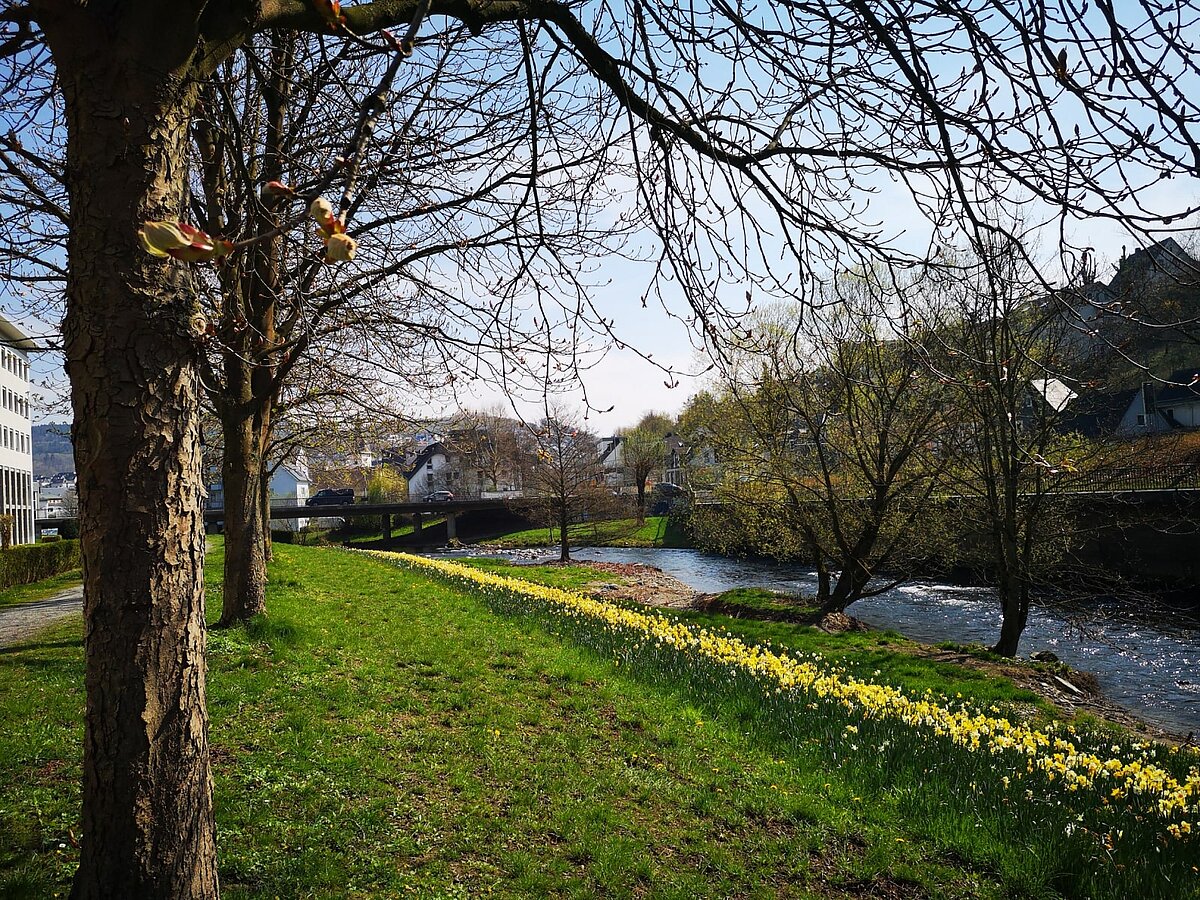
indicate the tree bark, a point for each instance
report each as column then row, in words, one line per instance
column 147, row 790
column 855, row 574
column 268, row 549
column 1014, row 610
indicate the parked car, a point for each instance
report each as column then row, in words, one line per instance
column 331, row 497
column 439, row 497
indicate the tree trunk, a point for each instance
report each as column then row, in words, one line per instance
column 245, row 583
column 818, row 555
column 564, row 543
column 268, row 552
column 1014, row 607
column 641, row 501
column 147, row 791
column 855, row 574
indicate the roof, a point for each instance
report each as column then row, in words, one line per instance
column 1184, row 387
column 14, row 337
column 424, row 456
column 1095, row 415
column 1056, row 394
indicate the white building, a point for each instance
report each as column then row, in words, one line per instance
column 16, row 447
column 57, row 501
column 290, row 486
column 432, row 470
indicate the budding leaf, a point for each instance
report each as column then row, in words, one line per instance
column 181, row 241
column 340, row 247
column 331, row 12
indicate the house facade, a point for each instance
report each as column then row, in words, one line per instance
column 611, row 457
column 437, row 468
column 1158, row 408
column 16, row 442
column 290, row 485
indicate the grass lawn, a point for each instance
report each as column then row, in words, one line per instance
column 40, row 590
column 385, row 735
column 614, row 533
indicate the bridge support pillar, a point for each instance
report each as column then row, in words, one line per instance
column 417, row 519
column 451, row 527
column 387, row 527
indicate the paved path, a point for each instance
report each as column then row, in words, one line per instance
column 17, row 623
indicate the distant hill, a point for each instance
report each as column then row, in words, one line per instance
column 52, row 449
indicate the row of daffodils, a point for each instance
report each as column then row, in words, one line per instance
column 1111, row 794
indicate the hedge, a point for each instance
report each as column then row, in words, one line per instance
column 27, row 563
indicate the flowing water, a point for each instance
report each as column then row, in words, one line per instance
column 1146, row 659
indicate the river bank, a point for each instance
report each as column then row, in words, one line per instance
column 1114, row 667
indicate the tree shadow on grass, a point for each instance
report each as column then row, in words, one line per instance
column 30, row 648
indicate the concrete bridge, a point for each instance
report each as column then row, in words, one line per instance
column 418, row 512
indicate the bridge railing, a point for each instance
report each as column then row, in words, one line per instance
column 1122, row 479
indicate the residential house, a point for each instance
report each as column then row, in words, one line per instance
column 1162, row 266
column 289, row 485
column 688, row 463
column 611, row 459
column 435, row 469
column 1158, row 407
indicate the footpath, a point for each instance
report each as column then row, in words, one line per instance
column 20, row 622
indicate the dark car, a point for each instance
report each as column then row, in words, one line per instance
column 331, row 497
column 439, row 497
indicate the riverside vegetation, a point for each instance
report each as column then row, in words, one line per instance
column 404, row 727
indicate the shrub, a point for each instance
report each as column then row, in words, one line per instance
column 308, row 536
column 27, row 563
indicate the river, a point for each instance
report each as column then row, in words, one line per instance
column 1147, row 660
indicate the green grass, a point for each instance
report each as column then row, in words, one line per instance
column 760, row 603
column 572, row 577
column 39, row 590
column 615, row 533
column 384, row 735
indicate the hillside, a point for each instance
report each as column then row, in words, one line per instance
column 52, row 449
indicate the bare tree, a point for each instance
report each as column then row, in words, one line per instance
column 567, row 474
column 643, row 451
column 495, row 445
column 763, row 154
column 838, row 438
column 1007, row 358
column 439, row 187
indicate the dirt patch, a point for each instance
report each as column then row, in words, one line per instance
column 833, row 866
column 840, row 623
column 642, row 584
